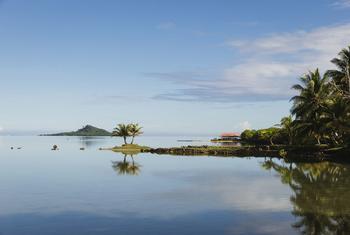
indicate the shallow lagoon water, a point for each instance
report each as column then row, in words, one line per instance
column 101, row 192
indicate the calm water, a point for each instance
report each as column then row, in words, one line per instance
column 100, row 192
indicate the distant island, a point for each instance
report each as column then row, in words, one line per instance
column 87, row 130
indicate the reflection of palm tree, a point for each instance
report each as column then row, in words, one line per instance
column 126, row 168
column 321, row 198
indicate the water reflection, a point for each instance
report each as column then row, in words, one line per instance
column 321, row 195
column 91, row 141
column 126, row 167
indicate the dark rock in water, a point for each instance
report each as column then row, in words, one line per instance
column 82, row 148
column 11, row 147
column 55, row 147
column 19, row 148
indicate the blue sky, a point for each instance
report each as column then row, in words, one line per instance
column 175, row 67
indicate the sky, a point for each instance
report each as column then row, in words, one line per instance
column 175, row 67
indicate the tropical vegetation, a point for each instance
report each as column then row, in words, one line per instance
column 320, row 113
column 127, row 130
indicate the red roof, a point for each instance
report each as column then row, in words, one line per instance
column 230, row 134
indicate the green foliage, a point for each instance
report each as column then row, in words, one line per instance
column 321, row 110
column 127, row 130
column 283, row 153
column 247, row 135
column 269, row 136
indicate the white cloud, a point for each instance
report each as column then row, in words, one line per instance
column 342, row 4
column 270, row 66
column 245, row 125
column 166, row 25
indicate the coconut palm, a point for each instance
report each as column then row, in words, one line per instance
column 122, row 130
column 311, row 102
column 134, row 130
column 313, row 93
column 287, row 125
column 341, row 77
column 337, row 119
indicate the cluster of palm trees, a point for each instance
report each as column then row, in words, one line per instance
column 321, row 110
column 127, row 130
column 320, row 113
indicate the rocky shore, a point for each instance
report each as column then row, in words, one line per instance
column 295, row 153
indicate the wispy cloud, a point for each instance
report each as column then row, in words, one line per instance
column 270, row 65
column 166, row 25
column 342, row 4
column 245, row 125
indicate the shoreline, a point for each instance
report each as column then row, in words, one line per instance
column 291, row 153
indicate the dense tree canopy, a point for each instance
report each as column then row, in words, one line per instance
column 320, row 113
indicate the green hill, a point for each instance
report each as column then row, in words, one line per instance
column 87, row 130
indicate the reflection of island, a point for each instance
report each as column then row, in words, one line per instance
column 125, row 167
column 321, row 199
column 91, row 141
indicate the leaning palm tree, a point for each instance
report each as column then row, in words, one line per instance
column 134, row 130
column 310, row 104
column 122, row 130
column 341, row 76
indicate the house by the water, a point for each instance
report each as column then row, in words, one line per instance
column 228, row 137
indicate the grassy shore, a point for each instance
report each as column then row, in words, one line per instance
column 131, row 148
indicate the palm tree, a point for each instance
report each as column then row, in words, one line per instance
column 310, row 104
column 288, row 126
column 341, row 77
column 134, row 130
column 122, row 130
column 337, row 119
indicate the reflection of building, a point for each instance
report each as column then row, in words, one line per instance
column 228, row 137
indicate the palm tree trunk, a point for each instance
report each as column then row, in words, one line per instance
column 348, row 77
column 132, row 140
column 290, row 141
column 125, row 139
column 318, row 140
